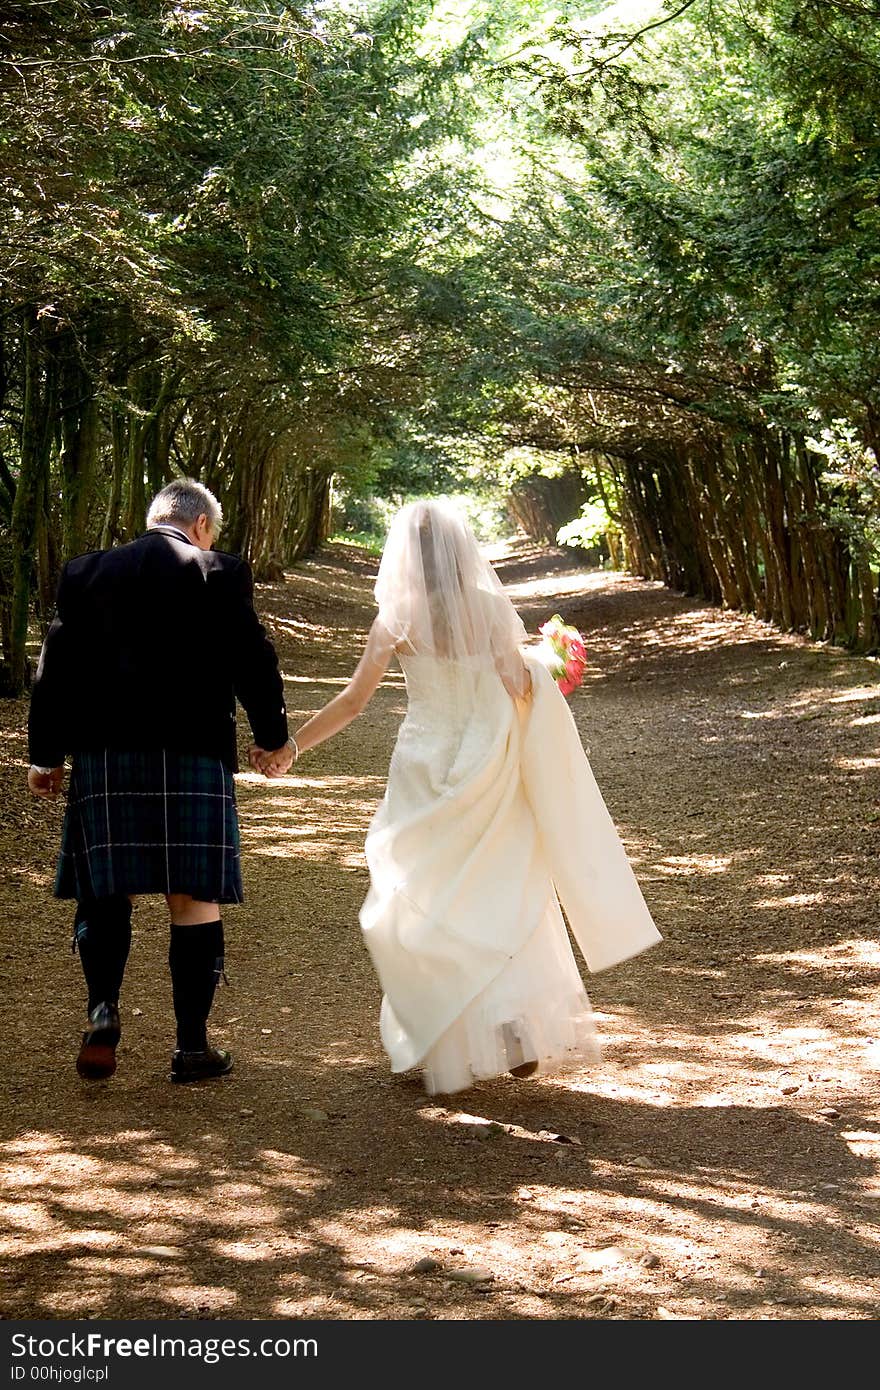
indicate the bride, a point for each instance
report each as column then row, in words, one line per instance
column 490, row 817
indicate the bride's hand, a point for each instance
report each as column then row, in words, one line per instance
column 520, row 689
column 271, row 764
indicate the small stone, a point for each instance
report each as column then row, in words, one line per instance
column 599, row 1300
column 483, row 1129
column 557, row 1238
column 426, row 1265
column 607, row 1258
column 790, row 1090
column 474, row 1275
column 313, row 1112
column 641, row 1163
column 137, row 1013
column 525, row 1195
column 828, row 1187
column 265, row 1032
column 650, row 1261
column 830, row 1113
column 246, row 1112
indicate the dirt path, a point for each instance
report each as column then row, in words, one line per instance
column 721, row 1163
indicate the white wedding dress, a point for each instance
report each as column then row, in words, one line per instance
column 490, row 817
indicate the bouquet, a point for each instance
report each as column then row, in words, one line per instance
column 563, row 653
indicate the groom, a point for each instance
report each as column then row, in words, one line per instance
column 150, row 646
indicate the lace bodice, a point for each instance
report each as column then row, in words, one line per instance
column 456, row 711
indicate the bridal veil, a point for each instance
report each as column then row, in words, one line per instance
column 438, row 596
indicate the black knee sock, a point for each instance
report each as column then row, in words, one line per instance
column 102, row 933
column 195, row 958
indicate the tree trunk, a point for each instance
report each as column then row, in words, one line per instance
column 36, row 427
column 110, row 530
column 80, row 425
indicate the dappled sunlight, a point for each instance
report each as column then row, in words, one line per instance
column 334, row 682
column 293, row 781
column 582, row 1234
column 816, row 702
column 133, row 1217
column 855, row 694
column 693, row 864
column 32, row 877
column 308, row 817
column 843, row 954
column 555, row 586
column 722, row 1159
column 793, row 900
column 302, row 631
column 864, row 1143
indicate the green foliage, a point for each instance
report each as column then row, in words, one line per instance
column 500, row 251
column 852, row 489
column 373, row 541
column 589, row 529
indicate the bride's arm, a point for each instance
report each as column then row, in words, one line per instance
column 515, row 677
column 339, row 712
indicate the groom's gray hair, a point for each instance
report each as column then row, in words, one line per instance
column 182, row 502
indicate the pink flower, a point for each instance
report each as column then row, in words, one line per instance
column 564, row 653
column 574, row 671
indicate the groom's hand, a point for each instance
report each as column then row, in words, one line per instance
column 46, row 783
column 271, row 764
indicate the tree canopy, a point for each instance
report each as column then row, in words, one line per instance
column 623, row 257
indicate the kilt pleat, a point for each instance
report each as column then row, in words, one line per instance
column 150, row 822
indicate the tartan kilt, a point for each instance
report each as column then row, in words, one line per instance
column 150, row 822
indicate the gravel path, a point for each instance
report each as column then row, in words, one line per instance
column 722, row 1162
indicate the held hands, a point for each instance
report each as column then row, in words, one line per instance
column 47, row 784
column 271, row 764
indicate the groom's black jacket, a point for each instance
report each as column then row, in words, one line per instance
column 151, row 643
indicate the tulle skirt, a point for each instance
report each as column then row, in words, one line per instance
column 535, row 1010
column 491, row 819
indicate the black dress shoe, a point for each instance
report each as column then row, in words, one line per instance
column 97, row 1055
column 198, row 1066
column 524, row 1070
